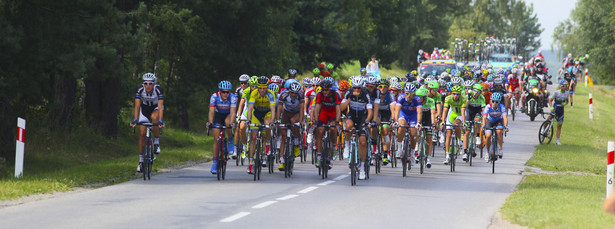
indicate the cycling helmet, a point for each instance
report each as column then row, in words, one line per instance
column 294, row 87
column 496, row 97
column 468, row 83
column 498, row 81
column 540, row 65
column 244, row 78
column 433, row 85
column 478, row 87
column 441, row 82
column 430, row 78
column 263, row 81
column 456, row 80
column 149, row 77
column 434, row 72
column 276, row 79
column 363, row 70
column 404, row 79
column 371, row 80
column 357, row 82
column 422, row 92
column 290, row 81
column 500, row 71
column 315, row 71
column 307, row 82
column 344, row 85
column 224, row 85
column 449, row 86
column 414, row 72
column 409, row 75
column 490, row 78
column 477, row 74
column 393, row 79
column 326, row 84
column 485, row 86
column 369, row 74
column 456, row 88
column 329, row 66
column 316, row 81
column 513, row 71
column 396, row 85
column 253, row 80
column 384, row 82
column 410, row 88
column 563, row 82
column 292, row 72
column 485, row 72
column 335, row 75
column 330, row 79
column 274, row 88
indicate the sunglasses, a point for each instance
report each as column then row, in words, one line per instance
column 370, row 85
column 262, row 88
column 225, row 92
column 394, row 90
column 148, row 83
column 356, row 88
column 243, row 82
column 456, row 94
column 476, row 91
column 495, row 102
column 382, row 86
column 326, row 89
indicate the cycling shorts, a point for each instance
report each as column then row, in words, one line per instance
column 384, row 115
column 498, row 124
column 258, row 117
column 426, row 121
column 357, row 122
column 410, row 118
column 220, row 119
column 472, row 112
column 559, row 111
column 325, row 117
column 145, row 113
column 452, row 116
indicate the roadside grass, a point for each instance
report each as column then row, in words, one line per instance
column 569, row 200
column 59, row 161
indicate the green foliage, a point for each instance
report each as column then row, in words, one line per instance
column 591, row 30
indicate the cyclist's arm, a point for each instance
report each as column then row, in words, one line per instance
column 272, row 107
column 369, row 115
column 376, row 110
column 250, row 109
column 315, row 111
column 301, row 110
column 444, row 115
column 241, row 107
column 212, row 111
column 338, row 114
column 137, row 108
column 419, row 114
column 463, row 117
column 279, row 110
column 160, row 109
column 395, row 112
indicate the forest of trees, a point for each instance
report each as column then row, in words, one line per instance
column 590, row 30
column 76, row 64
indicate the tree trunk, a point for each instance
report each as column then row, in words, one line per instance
column 62, row 103
column 102, row 105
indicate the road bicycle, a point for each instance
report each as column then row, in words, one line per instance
column 289, row 152
column 353, row 156
column 325, row 157
column 493, row 147
column 148, row 150
column 405, row 164
column 545, row 133
column 453, row 146
column 222, row 154
column 258, row 152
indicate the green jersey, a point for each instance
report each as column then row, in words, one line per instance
column 455, row 106
column 428, row 104
column 478, row 102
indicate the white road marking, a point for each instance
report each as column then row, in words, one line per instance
column 326, row 182
column 264, row 204
column 340, row 177
column 287, row 197
column 307, row 190
column 234, row 217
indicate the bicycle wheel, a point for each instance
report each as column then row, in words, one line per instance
column 513, row 109
column 545, row 133
column 452, row 152
column 146, row 158
column 257, row 159
column 404, row 157
column 219, row 159
column 238, row 153
column 352, row 165
column 494, row 143
column 422, row 154
column 471, row 145
column 286, row 156
column 324, row 157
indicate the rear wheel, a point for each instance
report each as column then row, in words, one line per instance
column 353, row 166
column 404, row 157
column 545, row 133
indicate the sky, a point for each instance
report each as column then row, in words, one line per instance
column 550, row 13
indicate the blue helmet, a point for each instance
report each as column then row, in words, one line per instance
column 496, row 97
column 449, row 86
column 434, row 72
column 274, row 88
column 330, row 79
column 490, row 78
column 288, row 82
column 363, row 70
column 563, row 82
column 224, row 85
column 149, row 77
column 410, row 88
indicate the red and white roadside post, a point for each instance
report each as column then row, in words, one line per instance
column 610, row 155
column 19, row 151
column 586, row 78
column 591, row 109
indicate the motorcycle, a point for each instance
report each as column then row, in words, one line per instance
column 532, row 97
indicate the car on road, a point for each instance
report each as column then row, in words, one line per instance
column 439, row 65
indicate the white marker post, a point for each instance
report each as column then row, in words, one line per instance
column 591, row 109
column 586, row 78
column 19, row 151
column 610, row 155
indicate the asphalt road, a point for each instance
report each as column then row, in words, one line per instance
column 193, row 198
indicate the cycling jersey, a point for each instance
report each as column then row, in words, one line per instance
column 513, row 82
column 428, row 105
column 310, row 95
column 328, row 105
column 222, row 107
column 455, row 106
column 149, row 100
column 502, row 91
column 290, row 104
column 386, row 101
column 262, row 103
column 358, row 105
column 375, row 96
column 437, row 98
column 409, row 109
column 475, row 106
column 559, row 98
column 494, row 114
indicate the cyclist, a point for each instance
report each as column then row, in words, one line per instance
column 474, row 111
column 572, row 82
column 498, row 87
column 243, row 85
column 374, row 95
column 407, row 107
column 359, row 114
column 514, row 85
column 261, row 104
column 495, row 114
column 327, row 109
column 149, row 106
column 558, row 100
column 454, row 108
column 222, row 105
column 384, row 112
column 291, row 103
column 429, row 118
column 242, row 111
column 292, row 73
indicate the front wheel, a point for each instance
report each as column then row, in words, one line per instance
column 545, row 133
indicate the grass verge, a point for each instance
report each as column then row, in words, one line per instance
column 569, row 200
column 57, row 161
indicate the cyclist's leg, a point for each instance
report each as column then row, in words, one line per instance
column 320, row 131
column 256, row 119
column 362, row 146
column 401, row 132
column 333, row 134
column 386, row 138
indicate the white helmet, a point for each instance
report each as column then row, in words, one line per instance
column 357, row 82
column 149, row 77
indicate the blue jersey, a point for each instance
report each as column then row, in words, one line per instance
column 222, row 107
column 386, row 101
column 494, row 114
column 409, row 108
